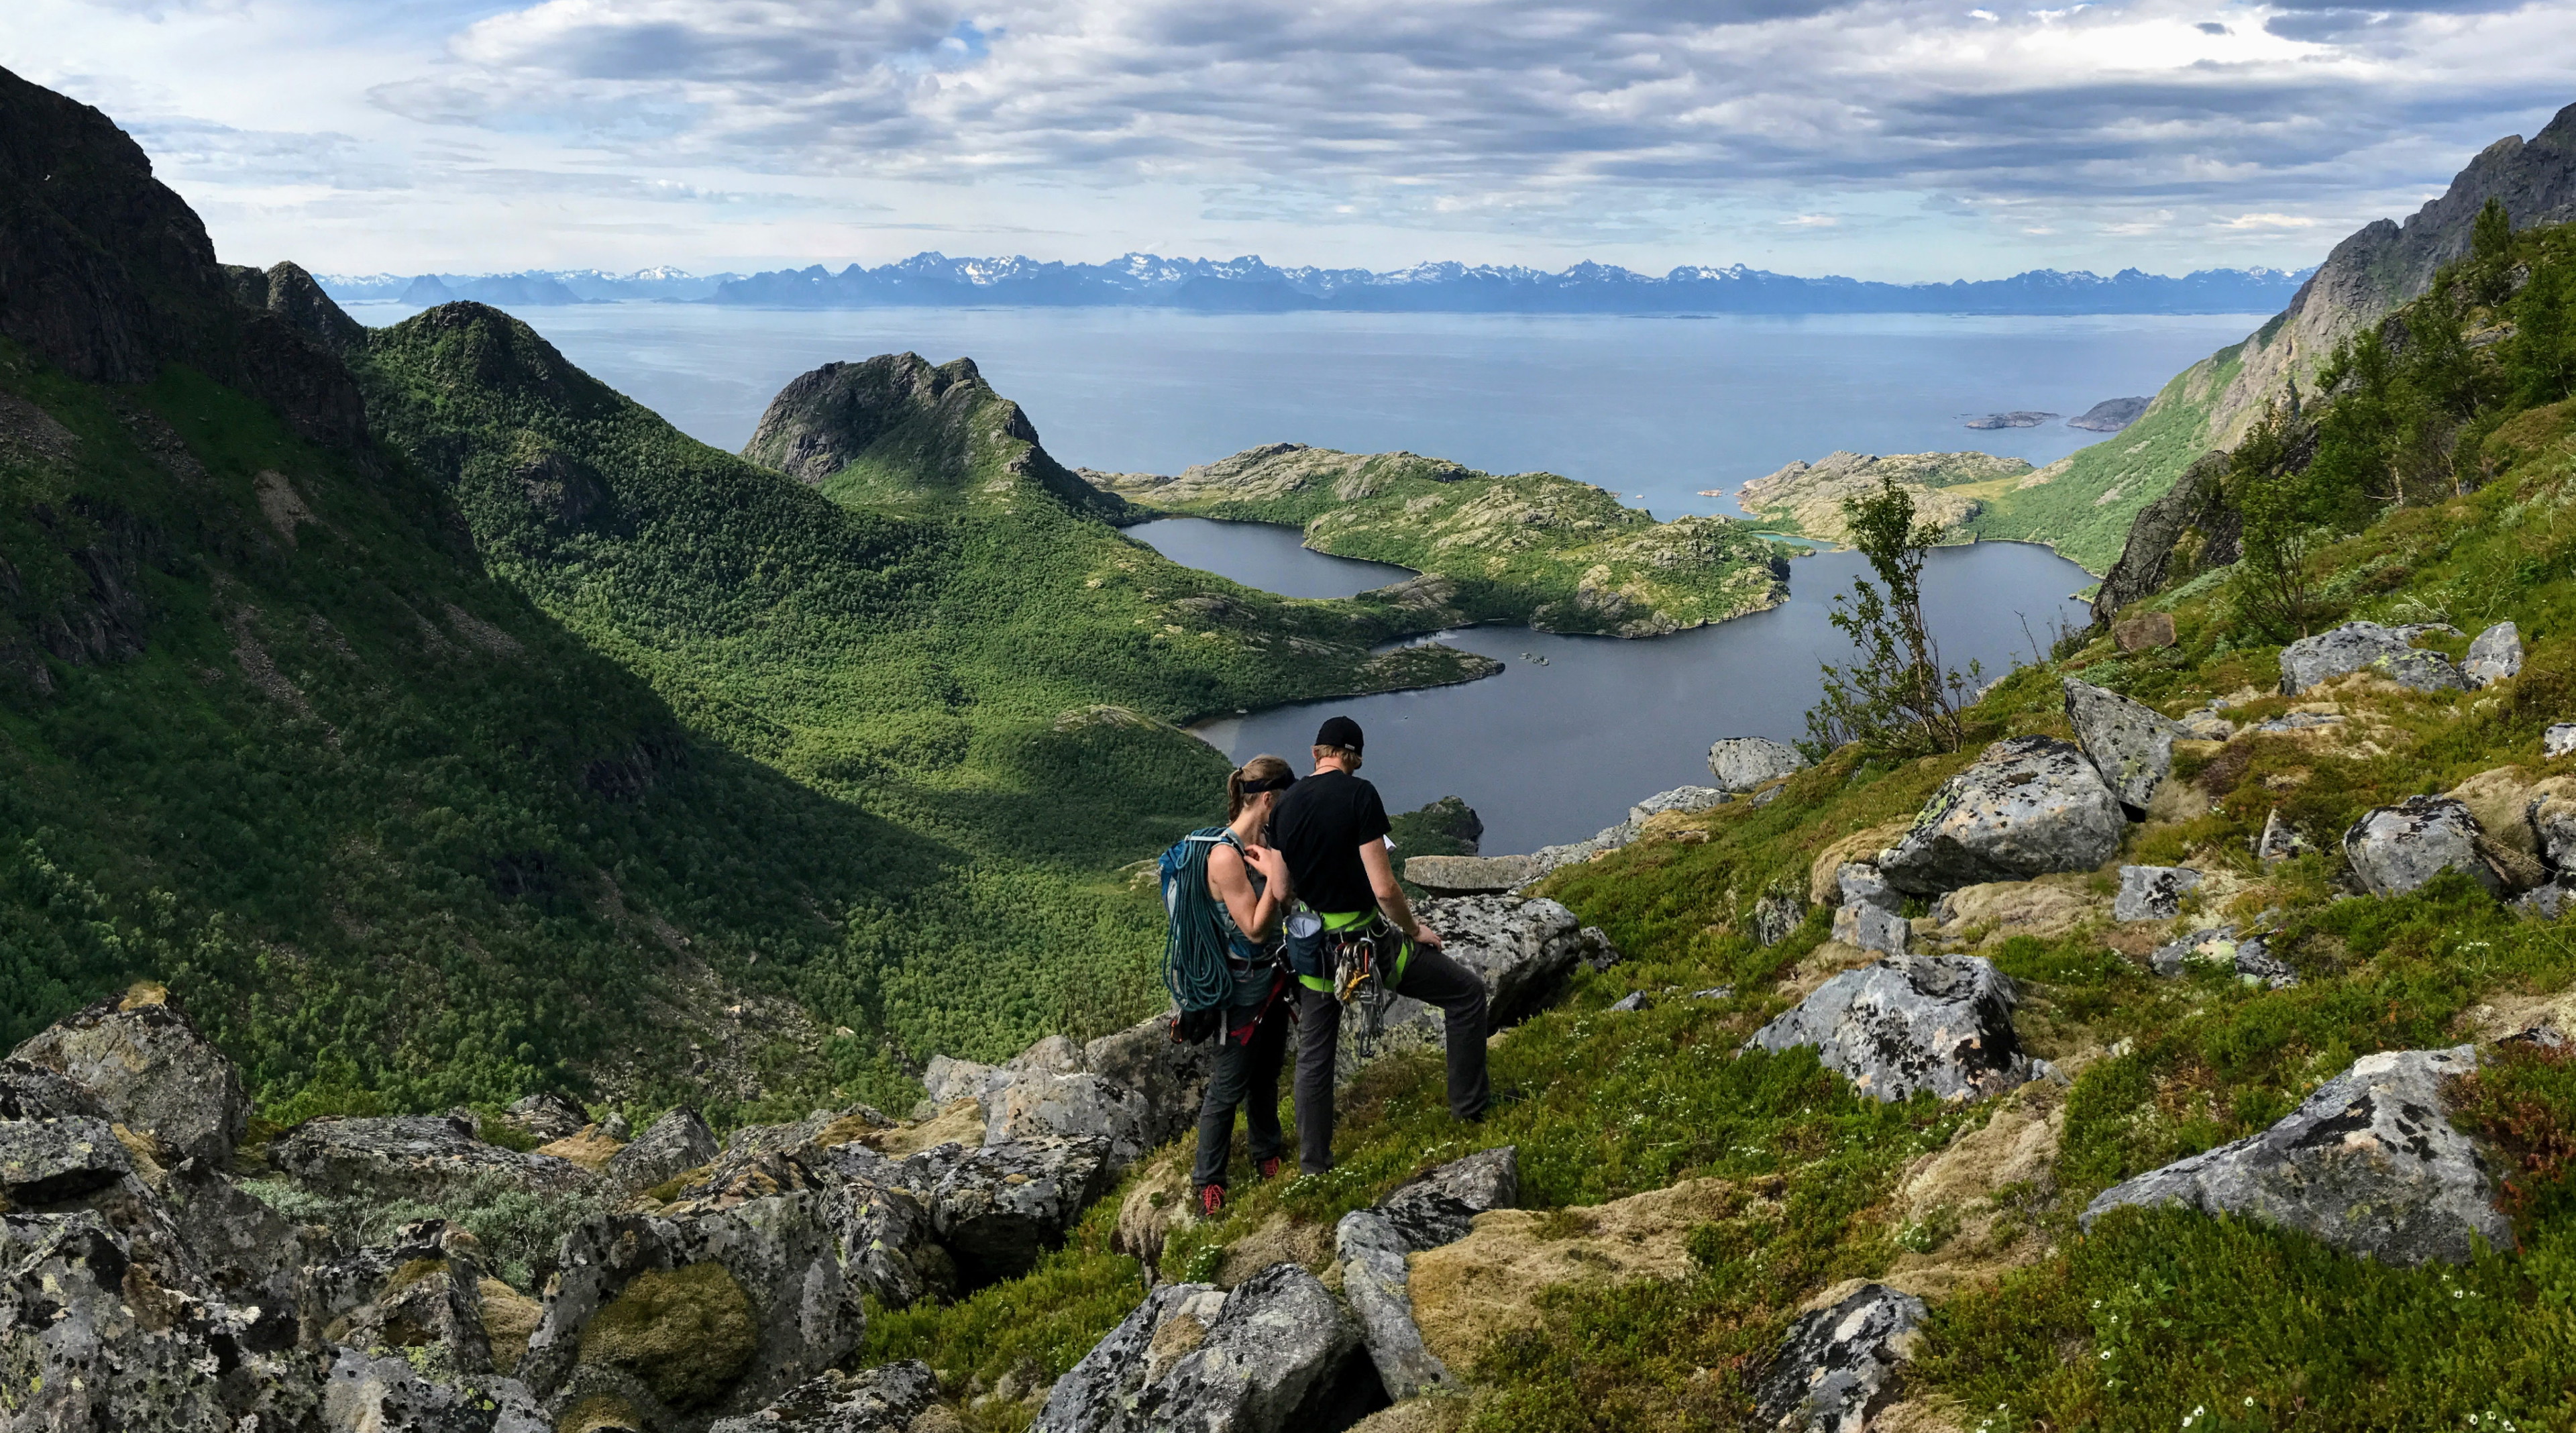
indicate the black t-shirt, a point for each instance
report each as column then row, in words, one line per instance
column 1320, row 825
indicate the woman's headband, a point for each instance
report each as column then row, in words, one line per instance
column 1268, row 783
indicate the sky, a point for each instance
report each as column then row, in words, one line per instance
column 1883, row 139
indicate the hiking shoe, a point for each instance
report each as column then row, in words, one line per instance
column 1269, row 1168
column 1211, row 1199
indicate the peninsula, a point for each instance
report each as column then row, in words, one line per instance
column 1947, row 488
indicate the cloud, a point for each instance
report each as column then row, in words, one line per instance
column 1811, row 221
column 2268, row 221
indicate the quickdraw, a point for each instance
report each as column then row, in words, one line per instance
column 1360, row 983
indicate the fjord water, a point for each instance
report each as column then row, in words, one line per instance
column 1655, row 409
column 1263, row 555
column 1553, row 752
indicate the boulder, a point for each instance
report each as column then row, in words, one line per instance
column 2494, row 656
column 2366, row 646
column 1169, row 1075
column 366, row 1393
column 1777, row 916
column 549, row 1117
column 2130, row 744
column 49, row 1161
column 1684, row 799
column 2547, row 902
column 1837, row 1368
column 2280, row 841
column 428, row 1296
column 1275, row 1354
column 1630, row 1003
column 152, row 1071
column 872, row 1400
column 2370, row 1163
column 1049, row 1055
column 1741, row 763
column 948, row 1081
column 1470, row 875
column 33, row 1092
column 2143, row 633
column 2150, row 893
column 2558, row 740
column 2395, row 849
column 671, row 1146
column 1073, row 1106
column 1375, row 1283
column 409, row 1156
column 2250, row 958
column 1938, row 1023
column 1871, row 915
column 2031, row 805
column 999, row 1207
column 1440, row 1207
column 1525, row 949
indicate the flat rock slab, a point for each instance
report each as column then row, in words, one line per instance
column 1470, row 875
column 1741, row 763
column 872, row 1400
column 2153, row 892
column 2130, row 744
column 2366, row 646
column 2030, row 806
column 1440, row 1207
column 1684, row 799
column 2370, row 1163
column 1938, row 1023
column 1837, row 1368
column 2396, row 849
column 1378, row 1288
column 407, row 1155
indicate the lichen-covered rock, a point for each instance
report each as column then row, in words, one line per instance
column 2153, row 892
column 1776, row 916
column 380, row 1394
column 1441, row 1206
column 1040, row 1106
column 1470, row 875
column 950, row 1080
column 2370, row 1163
column 2558, row 740
column 152, row 1071
column 50, row 1161
column 2250, row 958
column 1525, row 950
column 2280, row 841
column 2395, row 849
column 2366, row 646
column 1871, row 914
column 1681, row 798
column 1168, row 1075
column 1741, row 763
column 2031, row 805
column 2495, row 656
column 1837, row 1368
column 1938, row 1023
column 1001, row 1206
column 1375, row 1282
column 2130, row 744
column 671, row 1146
column 549, row 1117
column 409, row 1156
column 1275, row 1354
column 873, row 1400
column 33, row 1092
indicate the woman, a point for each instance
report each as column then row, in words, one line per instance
column 1250, row 883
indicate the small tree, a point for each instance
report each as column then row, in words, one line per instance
column 2278, row 501
column 1895, row 697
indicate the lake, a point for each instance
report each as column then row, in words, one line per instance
column 1552, row 751
column 1653, row 408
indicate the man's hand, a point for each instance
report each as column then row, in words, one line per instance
column 1425, row 935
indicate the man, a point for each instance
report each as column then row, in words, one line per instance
column 1332, row 829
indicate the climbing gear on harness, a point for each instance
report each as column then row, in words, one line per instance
column 1195, row 967
column 1368, row 959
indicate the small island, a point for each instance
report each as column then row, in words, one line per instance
column 1533, row 548
column 2018, row 418
column 2110, row 415
column 1947, row 488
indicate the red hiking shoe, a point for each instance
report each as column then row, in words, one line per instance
column 1211, row 1199
column 1269, row 1168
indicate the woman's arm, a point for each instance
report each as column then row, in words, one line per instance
column 1257, row 916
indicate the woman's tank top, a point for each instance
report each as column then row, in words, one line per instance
column 1244, row 953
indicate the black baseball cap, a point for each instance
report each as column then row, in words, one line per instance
column 1339, row 731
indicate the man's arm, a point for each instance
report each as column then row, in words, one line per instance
column 1390, row 896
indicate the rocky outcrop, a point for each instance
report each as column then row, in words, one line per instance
column 1470, row 875
column 1838, row 1366
column 1275, row 1354
column 1871, row 915
column 1682, row 799
column 150, row 1070
column 409, row 1157
column 1741, row 763
column 366, row 1393
column 671, row 1146
column 1524, row 948
column 2495, row 656
column 2395, row 849
column 2153, row 892
column 2031, row 805
column 2370, row 1163
column 1938, row 1023
column 2110, row 415
column 1375, row 1282
column 2130, row 744
column 2196, row 501
column 2250, row 958
column 873, row 1400
column 999, row 1207
column 51, row 1161
column 2387, row 652
column 1776, row 915
column 1077, row 1106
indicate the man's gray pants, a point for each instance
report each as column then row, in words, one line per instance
column 1430, row 977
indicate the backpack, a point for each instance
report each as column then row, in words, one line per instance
column 1195, row 967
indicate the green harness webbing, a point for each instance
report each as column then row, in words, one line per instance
column 1347, row 920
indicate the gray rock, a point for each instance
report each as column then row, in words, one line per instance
column 614, row 1126
column 409, row 1156
column 435, row 1304
column 1595, row 950
column 1378, row 1287
column 2395, row 849
column 1276, row 1354
column 1680, row 798
column 1525, row 949
column 2130, row 744
column 549, row 1117
column 1873, row 927
column 2150, row 893
column 152, row 1071
column 1003, row 1205
column 1072, row 1106
column 2205, row 724
column 2298, row 721
column 2366, row 646
column 2552, row 820
column 32, row 1092
column 365, row 1394
column 1837, row 1367
column 2250, row 958
column 1715, row 992
column 2031, row 805
column 2279, row 841
column 1741, row 763
column 2256, row 965
column 1049, row 1055
column 1167, row 1074
column 2559, row 740
column 1440, row 1207
column 1938, row 1023
column 2547, row 902
column 50, row 1161
column 2494, row 656
column 949, row 1080
column 672, row 1146
column 1470, row 875
column 1859, row 883
column 2370, row 1163
column 1630, row 1003
column 872, row 1400
column 1777, row 916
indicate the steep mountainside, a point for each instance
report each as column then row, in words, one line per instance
column 1559, row 555
column 2085, row 507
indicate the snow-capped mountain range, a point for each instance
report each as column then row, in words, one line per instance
column 1249, row 285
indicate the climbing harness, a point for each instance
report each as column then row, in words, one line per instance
column 1368, row 959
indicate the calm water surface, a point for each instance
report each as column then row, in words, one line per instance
column 1259, row 554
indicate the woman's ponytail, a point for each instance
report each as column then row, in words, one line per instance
column 1270, row 773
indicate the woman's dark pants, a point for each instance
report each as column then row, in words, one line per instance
column 1246, row 1075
